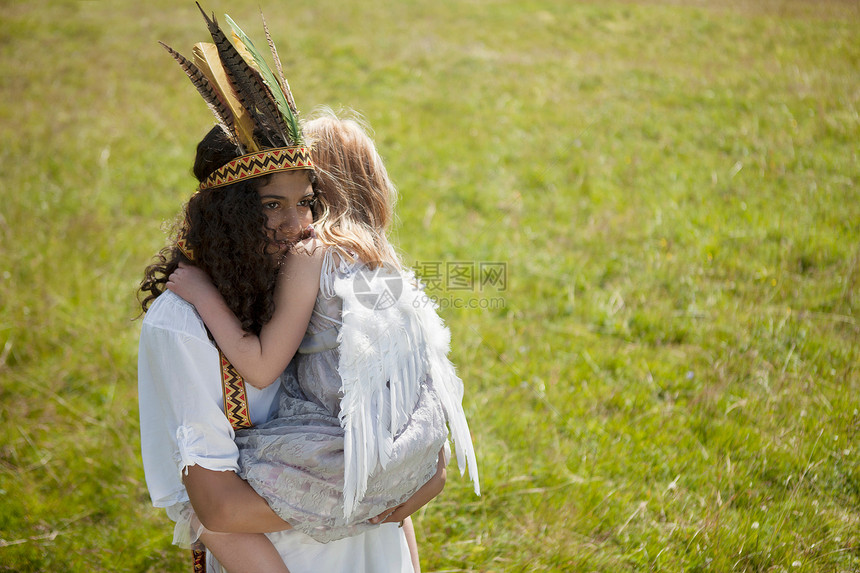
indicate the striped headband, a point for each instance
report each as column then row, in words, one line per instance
column 258, row 164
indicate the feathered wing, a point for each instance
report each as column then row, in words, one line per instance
column 381, row 375
column 207, row 61
column 449, row 387
column 212, row 97
column 386, row 353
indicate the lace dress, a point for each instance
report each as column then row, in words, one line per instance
column 297, row 460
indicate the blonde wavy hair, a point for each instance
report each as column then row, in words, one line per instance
column 355, row 196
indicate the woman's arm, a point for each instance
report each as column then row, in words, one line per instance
column 421, row 497
column 226, row 503
column 260, row 360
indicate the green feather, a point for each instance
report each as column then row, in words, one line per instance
column 270, row 80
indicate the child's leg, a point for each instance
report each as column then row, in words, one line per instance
column 409, row 531
column 244, row 552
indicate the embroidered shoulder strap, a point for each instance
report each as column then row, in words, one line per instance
column 235, row 399
column 236, row 409
column 198, row 560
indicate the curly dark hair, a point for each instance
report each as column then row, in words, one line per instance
column 227, row 231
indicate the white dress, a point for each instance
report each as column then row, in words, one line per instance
column 366, row 405
column 297, row 461
column 182, row 423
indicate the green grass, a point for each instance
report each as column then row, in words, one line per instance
column 672, row 381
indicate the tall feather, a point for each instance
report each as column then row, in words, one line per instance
column 259, row 63
column 265, row 96
column 242, row 76
column 211, row 96
column 285, row 86
column 207, row 61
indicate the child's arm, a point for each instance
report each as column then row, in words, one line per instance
column 244, row 552
column 260, row 360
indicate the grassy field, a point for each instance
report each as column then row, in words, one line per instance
column 667, row 377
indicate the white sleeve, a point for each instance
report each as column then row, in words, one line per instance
column 181, row 418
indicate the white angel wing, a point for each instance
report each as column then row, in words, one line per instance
column 391, row 339
column 449, row 387
column 380, row 370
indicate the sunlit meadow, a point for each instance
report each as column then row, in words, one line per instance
column 641, row 221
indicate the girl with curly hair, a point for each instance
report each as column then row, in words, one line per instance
column 239, row 235
column 362, row 426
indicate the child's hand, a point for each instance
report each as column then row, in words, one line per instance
column 191, row 283
column 307, row 242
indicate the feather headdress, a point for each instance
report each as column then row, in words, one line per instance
column 253, row 106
